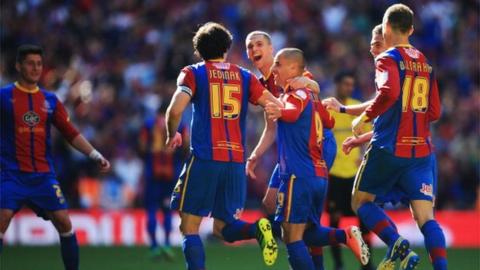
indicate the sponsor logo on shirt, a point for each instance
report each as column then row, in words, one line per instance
column 31, row 118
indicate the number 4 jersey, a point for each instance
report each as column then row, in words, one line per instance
column 407, row 101
column 220, row 94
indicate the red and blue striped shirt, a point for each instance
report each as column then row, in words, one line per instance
column 407, row 101
column 300, row 134
column 220, row 94
column 26, row 118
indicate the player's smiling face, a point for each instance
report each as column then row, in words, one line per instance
column 281, row 70
column 377, row 45
column 259, row 51
column 31, row 68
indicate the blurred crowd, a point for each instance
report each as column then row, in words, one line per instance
column 113, row 63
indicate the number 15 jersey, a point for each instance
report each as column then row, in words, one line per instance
column 220, row 94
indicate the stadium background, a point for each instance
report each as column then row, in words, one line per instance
column 114, row 62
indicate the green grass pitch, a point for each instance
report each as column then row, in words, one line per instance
column 218, row 257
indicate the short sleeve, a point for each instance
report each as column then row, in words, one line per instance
column 61, row 120
column 186, row 81
column 256, row 89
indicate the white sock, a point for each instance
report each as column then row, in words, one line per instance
column 67, row 234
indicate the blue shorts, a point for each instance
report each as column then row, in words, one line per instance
column 329, row 147
column 39, row 190
column 157, row 191
column 301, row 200
column 207, row 187
column 329, row 154
column 382, row 172
column 396, row 195
column 275, row 178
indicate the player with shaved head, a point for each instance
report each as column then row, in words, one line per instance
column 303, row 171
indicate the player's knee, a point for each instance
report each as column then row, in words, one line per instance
column 359, row 198
column 186, row 228
column 422, row 217
column 5, row 218
column 63, row 224
column 356, row 203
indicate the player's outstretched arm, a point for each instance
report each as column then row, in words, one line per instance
column 266, row 140
column 174, row 113
column 61, row 121
column 352, row 142
column 82, row 145
column 333, row 104
column 267, row 97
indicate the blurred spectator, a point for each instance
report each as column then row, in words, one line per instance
column 114, row 62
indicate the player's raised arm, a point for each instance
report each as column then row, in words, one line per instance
column 305, row 82
column 260, row 95
column 388, row 84
column 293, row 107
column 355, row 109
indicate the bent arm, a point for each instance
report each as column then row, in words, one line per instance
column 177, row 106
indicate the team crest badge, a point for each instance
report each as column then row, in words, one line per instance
column 381, row 78
column 301, row 94
column 31, row 118
column 412, row 52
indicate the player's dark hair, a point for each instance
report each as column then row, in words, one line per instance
column 377, row 30
column 400, row 18
column 343, row 74
column 27, row 49
column 212, row 40
column 261, row 33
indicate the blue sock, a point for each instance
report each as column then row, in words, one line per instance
column 193, row 251
column 324, row 236
column 167, row 225
column 1, row 245
column 152, row 227
column 435, row 244
column 239, row 230
column 276, row 227
column 299, row 257
column 378, row 222
column 70, row 252
column 317, row 257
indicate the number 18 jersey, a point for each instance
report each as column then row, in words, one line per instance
column 406, row 103
column 220, row 94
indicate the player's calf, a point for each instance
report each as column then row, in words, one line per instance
column 298, row 254
column 70, row 251
column 435, row 244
